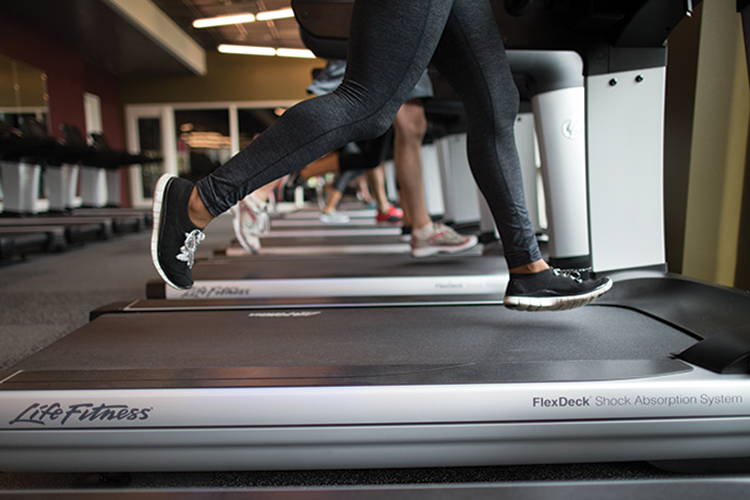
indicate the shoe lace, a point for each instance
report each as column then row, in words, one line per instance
column 573, row 274
column 187, row 250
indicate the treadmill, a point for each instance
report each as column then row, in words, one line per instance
column 77, row 229
column 327, row 245
column 340, row 276
column 649, row 373
column 19, row 241
column 311, row 223
column 363, row 213
column 322, row 231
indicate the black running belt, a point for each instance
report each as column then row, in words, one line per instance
column 478, row 338
column 394, row 265
column 315, row 241
column 319, row 226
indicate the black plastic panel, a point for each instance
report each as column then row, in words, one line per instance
column 718, row 316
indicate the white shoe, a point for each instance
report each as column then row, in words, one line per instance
column 441, row 240
column 247, row 225
column 333, row 218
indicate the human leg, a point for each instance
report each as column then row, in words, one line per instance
column 376, row 179
column 391, row 44
column 409, row 128
column 472, row 57
column 427, row 238
column 381, row 72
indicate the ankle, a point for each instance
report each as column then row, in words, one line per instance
column 532, row 267
column 197, row 211
column 423, row 231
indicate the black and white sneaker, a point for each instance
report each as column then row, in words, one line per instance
column 552, row 290
column 174, row 238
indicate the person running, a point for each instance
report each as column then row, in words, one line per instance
column 391, row 44
column 409, row 127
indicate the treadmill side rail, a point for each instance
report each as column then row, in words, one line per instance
column 377, row 446
column 692, row 394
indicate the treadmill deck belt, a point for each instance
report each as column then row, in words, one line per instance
column 479, row 338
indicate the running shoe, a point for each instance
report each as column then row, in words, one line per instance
column 442, row 240
column 552, row 290
column 393, row 214
column 243, row 222
column 333, row 218
column 174, row 238
column 251, row 220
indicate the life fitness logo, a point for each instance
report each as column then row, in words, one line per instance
column 572, row 129
column 61, row 415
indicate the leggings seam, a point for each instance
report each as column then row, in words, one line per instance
column 492, row 103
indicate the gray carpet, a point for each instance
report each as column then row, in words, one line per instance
column 48, row 296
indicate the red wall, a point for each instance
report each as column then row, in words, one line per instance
column 68, row 77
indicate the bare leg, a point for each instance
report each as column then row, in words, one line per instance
column 376, row 177
column 364, row 189
column 328, row 163
column 334, row 197
column 410, row 126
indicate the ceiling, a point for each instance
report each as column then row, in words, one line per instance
column 102, row 36
column 279, row 33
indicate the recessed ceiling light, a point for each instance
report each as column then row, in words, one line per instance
column 247, row 50
column 265, row 51
column 275, row 14
column 210, row 22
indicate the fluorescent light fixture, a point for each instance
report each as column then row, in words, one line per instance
column 270, row 15
column 210, row 22
column 265, row 51
column 304, row 53
column 247, row 50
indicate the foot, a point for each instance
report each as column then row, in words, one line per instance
column 439, row 239
column 393, row 214
column 174, row 237
column 247, row 226
column 333, row 218
column 552, row 290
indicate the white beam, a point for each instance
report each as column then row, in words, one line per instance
column 155, row 24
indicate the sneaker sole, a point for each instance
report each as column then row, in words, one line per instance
column 161, row 186
column 430, row 251
column 554, row 303
column 329, row 221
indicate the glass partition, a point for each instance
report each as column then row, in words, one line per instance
column 203, row 141
column 23, row 93
column 150, row 144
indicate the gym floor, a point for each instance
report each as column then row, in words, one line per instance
column 47, row 296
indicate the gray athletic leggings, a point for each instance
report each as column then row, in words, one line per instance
column 391, row 44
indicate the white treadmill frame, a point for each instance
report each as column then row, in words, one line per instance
column 379, row 426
